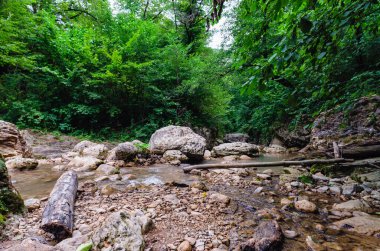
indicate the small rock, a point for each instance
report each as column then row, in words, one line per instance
column 172, row 198
column 323, row 189
column 349, row 189
column 263, row 176
column 312, row 245
column 290, row 234
column 267, row 236
column 32, row 204
column 320, row 177
column 285, row 202
column 268, row 171
column 258, row 190
column 184, row 246
column 220, row 198
column 335, row 190
column 305, row 206
column 320, row 227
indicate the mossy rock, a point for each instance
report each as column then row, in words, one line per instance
column 10, row 199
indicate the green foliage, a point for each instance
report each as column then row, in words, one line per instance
column 83, row 68
column 85, row 247
column 77, row 68
column 321, row 168
column 142, row 147
column 306, row 179
column 298, row 58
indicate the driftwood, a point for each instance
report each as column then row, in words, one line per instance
column 268, row 164
column 362, row 163
column 58, row 215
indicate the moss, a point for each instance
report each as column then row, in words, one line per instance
column 10, row 199
column 306, row 179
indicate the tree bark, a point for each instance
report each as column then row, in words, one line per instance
column 267, row 164
column 58, row 215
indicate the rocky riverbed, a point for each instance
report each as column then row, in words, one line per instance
column 129, row 199
column 222, row 211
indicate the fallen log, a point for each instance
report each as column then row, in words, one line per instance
column 58, row 215
column 361, row 152
column 267, row 164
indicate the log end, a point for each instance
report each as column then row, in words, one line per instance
column 59, row 231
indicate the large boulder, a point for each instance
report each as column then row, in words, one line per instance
column 178, row 138
column 209, row 134
column 298, row 137
column 268, row 237
column 356, row 130
column 22, row 163
column 9, row 198
column 11, row 141
column 236, row 137
column 120, row 231
column 236, row 148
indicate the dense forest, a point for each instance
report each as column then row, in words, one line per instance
column 125, row 68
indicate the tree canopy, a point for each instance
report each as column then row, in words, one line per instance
column 89, row 66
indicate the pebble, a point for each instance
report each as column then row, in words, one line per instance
column 290, row 234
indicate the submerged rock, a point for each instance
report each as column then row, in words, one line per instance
column 368, row 225
column 305, row 206
column 267, row 237
column 178, row 138
column 237, row 148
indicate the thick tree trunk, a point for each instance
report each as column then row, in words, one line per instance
column 267, row 164
column 58, row 215
column 361, row 152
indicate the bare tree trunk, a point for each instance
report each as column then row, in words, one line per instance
column 337, row 153
column 267, row 164
column 58, row 215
